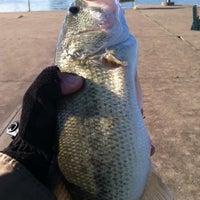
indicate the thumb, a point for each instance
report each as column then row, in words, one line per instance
column 70, row 83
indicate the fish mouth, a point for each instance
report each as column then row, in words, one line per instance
column 111, row 18
column 101, row 24
column 107, row 11
column 103, row 11
column 103, row 4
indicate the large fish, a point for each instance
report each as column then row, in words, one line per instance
column 103, row 144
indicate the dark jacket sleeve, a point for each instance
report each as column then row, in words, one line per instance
column 16, row 182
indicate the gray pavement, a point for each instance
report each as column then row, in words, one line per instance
column 169, row 69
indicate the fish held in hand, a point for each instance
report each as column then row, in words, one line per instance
column 103, row 144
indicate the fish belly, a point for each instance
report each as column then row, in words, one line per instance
column 104, row 146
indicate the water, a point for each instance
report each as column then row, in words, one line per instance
column 46, row 5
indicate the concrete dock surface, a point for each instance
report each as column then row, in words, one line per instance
column 169, row 69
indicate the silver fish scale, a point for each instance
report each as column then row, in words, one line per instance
column 88, row 46
column 97, row 143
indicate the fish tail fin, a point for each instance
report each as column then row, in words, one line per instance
column 155, row 189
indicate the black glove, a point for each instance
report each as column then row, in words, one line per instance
column 33, row 146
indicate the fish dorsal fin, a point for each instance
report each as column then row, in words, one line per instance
column 155, row 189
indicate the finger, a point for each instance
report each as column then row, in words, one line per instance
column 70, row 83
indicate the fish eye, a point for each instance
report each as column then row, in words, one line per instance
column 74, row 9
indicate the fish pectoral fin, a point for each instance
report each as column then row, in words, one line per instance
column 155, row 189
column 110, row 60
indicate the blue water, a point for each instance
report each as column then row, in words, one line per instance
column 46, row 5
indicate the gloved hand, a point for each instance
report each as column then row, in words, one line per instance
column 33, row 146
